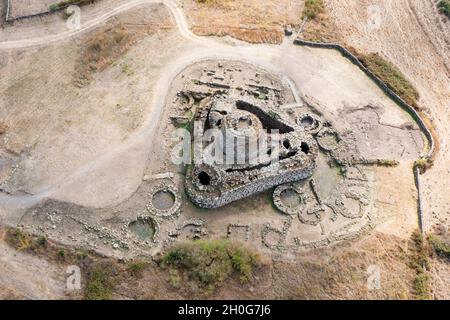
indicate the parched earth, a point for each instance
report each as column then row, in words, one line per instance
column 79, row 164
column 251, row 21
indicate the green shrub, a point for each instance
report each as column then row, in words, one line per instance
column 422, row 285
column 422, row 164
column 19, row 240
column 419, row 256
column 210, row 262
column 61, row 253
column 100, row 283
column 440, row 246
column 419, row 263
column 136, row 268
column 53, row 7
column 242, row 263
column 444, row 7
column 313, row 8
column 42, row 241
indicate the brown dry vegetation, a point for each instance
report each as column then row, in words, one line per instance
column 318, row 27
column 390, row 75
column 211, row 262
column 108, row 44
column 3, row 127
column 252, row 21
column 439, row 242
column 337, row 272
column 250, row 34
column 43, row 247
column 444, row 7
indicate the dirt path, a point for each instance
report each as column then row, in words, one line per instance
column 207, row 48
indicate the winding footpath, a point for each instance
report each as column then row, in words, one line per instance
column 46, row 40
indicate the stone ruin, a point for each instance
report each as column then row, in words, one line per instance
column 246, row 140
column 253, row 150
column 322, row 184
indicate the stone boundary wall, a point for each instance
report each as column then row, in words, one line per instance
column 380, row 84
column 40, row 14
column 8, row 5
column 419, row 199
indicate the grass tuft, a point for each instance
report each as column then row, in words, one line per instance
column 137, row 268
column 419, row 263
column 210, row 262
column 440, row 245
column 422, row 164
column 444, row 7
column 61, row 253
column 19, row 240
column 42, row 241
column 100, row 283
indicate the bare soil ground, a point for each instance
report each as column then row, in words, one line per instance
column 26, row 276
column 63, row 67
